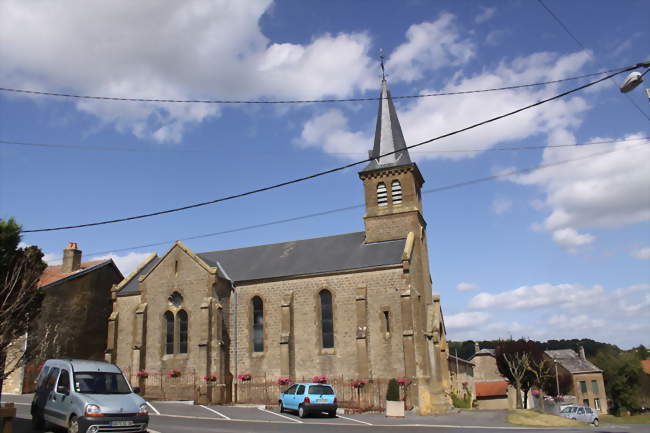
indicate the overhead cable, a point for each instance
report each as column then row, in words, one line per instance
column 497, row 176
column 333, row 170
column 298, row 101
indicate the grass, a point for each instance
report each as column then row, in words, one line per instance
column 537, row 419
column 630, row 419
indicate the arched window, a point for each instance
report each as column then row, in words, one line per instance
column 396, row 191
column 169, row 332
column 258, row 324
column 382, row 194
column 182, row 331
column 327, row 319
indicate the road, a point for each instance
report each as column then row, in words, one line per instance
column 187, row 418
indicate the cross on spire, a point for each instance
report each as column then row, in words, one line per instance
column 381, row 57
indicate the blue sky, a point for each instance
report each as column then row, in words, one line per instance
column 561, row 252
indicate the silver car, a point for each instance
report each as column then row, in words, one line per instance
column 87, row 397
column 580, row 413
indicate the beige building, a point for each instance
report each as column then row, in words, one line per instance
column 493, row 391
column 356, row 305
column 461, row 376
column 587, row 379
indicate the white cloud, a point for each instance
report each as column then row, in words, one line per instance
column 485, row 15
column 330, row 131
column 429, row 117
column 642, row 253
column 52, row 259
column 501, row 205
column 609, row 190
column 538, row 296
column 578, row 322
column 126, row 263
column 429, row 45
column 464, row 287
column 570, row 239
column 182, row 50
column 466, row 320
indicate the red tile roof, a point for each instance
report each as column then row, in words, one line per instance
column 491, row 389
column 645, row 365
column 53, row 273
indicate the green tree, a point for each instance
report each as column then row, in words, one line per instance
column 392, row 393
column 513, row 361
column 20, row 300
column 642, row 352
column 622, row 373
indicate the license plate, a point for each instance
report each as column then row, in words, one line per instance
column 121, row 423
column 321, row 401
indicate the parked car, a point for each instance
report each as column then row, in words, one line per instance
column 87, row 397
column 581, row 413
column 306, row 398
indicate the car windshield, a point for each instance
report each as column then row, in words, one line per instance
column 566, row 410
column 99, row 382
column 320, row 390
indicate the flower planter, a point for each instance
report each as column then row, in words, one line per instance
column 7, row 414
column 395, row 408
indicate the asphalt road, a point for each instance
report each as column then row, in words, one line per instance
column 184, row 418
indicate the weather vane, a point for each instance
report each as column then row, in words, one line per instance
column 383, row 72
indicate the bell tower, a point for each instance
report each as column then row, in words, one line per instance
column 391, row 181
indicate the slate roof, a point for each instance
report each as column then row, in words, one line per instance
column 491, row 389
column 305, row 257
column 53, row 275
column 388, row 136
column 571, row 361
column 132, row 285
column 484, row 352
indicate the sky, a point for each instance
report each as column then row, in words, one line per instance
column 558, row 252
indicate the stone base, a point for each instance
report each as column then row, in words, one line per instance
column 395, row 408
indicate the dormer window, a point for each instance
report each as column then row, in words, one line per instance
column 382, row 194
column 396, row 191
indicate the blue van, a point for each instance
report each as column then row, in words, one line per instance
column 87, row 397
column 306, row 398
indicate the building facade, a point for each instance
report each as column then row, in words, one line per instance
column 493, row 391
column 356, row 305
column 73, row 316
column 588, row 386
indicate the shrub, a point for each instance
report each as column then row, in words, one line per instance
column 244, row 377
column 284, row 381
column 392, row 393
column 464, row 402
column 320, row 379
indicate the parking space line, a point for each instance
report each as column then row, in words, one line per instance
column 154, row 409
column 214, row 411
column 352, row 419
column 277, row 414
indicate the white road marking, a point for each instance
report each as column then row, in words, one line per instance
column 212, row 410
column 149, row 430
column 352, row 419
column 154, row 409
column 277, row 414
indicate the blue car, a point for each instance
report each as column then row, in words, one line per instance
column 306, row 398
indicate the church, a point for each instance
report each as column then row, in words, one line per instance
column 357, row 305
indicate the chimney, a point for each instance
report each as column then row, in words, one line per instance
column 476, row 347
column 71, row 258
column 582, row 353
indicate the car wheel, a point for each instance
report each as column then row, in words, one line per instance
column 73, row 426
column 596, row 423
column 281, row 408
column 302, row 412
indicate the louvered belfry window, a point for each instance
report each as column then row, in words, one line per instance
column 382, row 194
column 396, row 190
column 327, row 319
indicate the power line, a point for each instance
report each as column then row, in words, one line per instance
column 303, row 101
column 566, row 29
column 333, row 170
column 135, row 149
column 357, row 206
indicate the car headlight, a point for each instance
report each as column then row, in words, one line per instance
column 144, row 409
column 92, row 410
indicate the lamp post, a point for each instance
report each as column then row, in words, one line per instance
column 634, row 79
column 557, row 380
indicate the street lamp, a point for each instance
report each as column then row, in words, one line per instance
column 634, row 79
column 557, row 380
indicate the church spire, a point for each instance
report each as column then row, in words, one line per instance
column 388, row 135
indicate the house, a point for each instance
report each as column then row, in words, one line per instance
column 493, row 391
column 353, row 305
column 73, row 317
column 461, row 376
column 587, row 379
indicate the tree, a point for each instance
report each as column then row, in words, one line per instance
column 540, row 370
column 20, row 299
column 513, row 361
column 622, row 373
